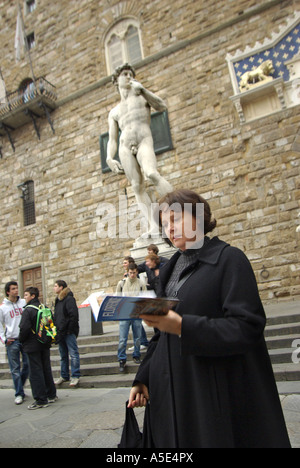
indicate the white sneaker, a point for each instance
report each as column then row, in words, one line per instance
column 35, row 406
column 52, row 400
column 142, row 347
column 19, row 400
column 60, row 381
column 74, row 382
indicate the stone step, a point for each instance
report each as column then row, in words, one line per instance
column 96, row 358
column 99, row 366
column 97, row 348
column 282, row 329
column 286, row 372
column 279, row 342
column 282, row 319
column 282, row 355
column 98, row 381
column 107, row 368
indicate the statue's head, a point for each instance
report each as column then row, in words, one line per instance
column 119, row 70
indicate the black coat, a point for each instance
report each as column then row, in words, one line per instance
column 66, row 317
column 214, row 386
column 27, row 328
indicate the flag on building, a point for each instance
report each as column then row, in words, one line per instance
column 2, row 92
column 19, row 38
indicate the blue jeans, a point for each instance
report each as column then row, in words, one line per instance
column 144, row 339
column 68, row 345
column 19, row 376
column 124, row 326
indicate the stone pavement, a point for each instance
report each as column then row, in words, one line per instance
column 88, row 418
column 80, row 418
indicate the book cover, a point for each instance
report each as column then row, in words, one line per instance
column 114, row 308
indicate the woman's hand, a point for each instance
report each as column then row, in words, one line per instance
column 139, row 396
column 170, row 323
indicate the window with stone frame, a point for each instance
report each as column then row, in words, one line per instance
column 30, row 6
column 123, row 44
column 31, row 41
column 28, row 203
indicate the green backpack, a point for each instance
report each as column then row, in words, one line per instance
column 45, row 328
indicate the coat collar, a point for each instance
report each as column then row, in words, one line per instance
column 64, row 293
column 210, row 254
column 211, row 251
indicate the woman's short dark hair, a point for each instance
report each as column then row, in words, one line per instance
column 181, row 198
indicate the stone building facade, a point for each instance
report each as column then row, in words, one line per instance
column 246, row 165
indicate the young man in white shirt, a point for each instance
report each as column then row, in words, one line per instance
column 132, row 286
column 10, row 316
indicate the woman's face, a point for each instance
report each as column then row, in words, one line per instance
column 181, row 228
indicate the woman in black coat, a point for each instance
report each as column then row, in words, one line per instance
column 207, row 372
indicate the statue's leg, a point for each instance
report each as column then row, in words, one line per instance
column 147, row 160
column 133, row 173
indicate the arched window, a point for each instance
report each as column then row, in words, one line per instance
column 123, row 44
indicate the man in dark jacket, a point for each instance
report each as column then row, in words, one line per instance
column 66, row 319
column 41, row 379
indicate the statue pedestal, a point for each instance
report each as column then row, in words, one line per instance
column 139, row 249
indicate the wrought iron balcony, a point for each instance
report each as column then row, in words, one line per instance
column 22, row 106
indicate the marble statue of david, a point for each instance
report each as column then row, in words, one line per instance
column 137, row 158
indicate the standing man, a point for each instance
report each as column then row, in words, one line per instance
column 132, row 286
column 133, row 117
column 66, row 319
column 10, row 317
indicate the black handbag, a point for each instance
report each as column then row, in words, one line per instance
column 132, row 437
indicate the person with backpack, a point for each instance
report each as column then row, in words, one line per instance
column 37, row 347
column 10, row 316
column 66, row 319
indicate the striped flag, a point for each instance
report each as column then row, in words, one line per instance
column 19, row 38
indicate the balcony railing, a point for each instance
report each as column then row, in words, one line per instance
column 17, row 99
column 27, row 105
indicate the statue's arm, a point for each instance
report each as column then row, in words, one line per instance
column 112, row 144
column 154, row 101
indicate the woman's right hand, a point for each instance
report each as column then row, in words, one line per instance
column 139, row 396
